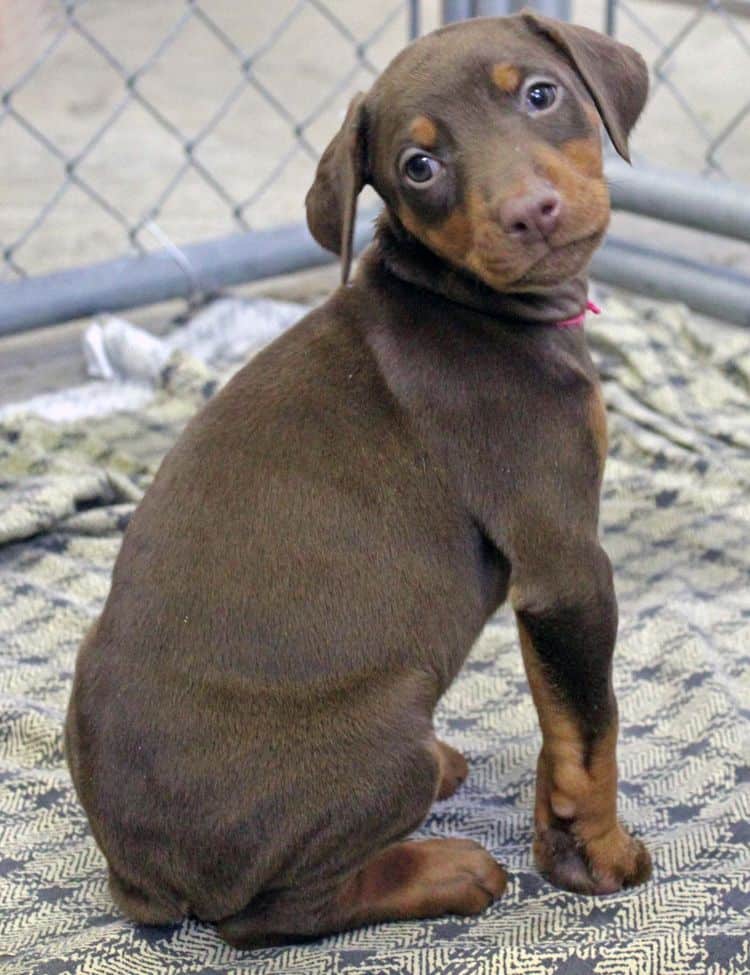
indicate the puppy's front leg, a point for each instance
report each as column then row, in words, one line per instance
column 567, row 622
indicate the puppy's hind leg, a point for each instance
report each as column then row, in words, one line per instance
column 453, row 769
column 140, row 906
column 414, row 879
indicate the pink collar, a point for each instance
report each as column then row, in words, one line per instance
column 577, row 320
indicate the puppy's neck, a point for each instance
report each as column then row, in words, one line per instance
column 406, row 258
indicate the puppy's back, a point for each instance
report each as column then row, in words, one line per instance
column 271, row 625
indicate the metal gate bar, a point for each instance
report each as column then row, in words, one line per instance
column 204, row 268
column 719, row 208
column 462, row 9
column 714, row 291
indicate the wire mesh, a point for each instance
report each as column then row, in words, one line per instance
column 698, row 117
column 129, row 126
column 134, row 125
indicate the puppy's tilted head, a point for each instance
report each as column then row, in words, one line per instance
column 483, row 140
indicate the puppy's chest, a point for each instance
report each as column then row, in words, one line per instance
column 547, row 418
column 502, row 410
column 545, row 390
column 513, row 423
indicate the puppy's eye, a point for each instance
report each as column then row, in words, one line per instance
column 419, row 168
column 541, row 96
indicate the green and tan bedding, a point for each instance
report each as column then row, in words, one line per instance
column 676, row 523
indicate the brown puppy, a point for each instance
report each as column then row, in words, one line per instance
column 250, row 730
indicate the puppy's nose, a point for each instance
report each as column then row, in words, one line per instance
column 531, row 217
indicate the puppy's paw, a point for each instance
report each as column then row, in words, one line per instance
column 602, row 866
column 458, row 877
column 453, row 770
column 424, row 878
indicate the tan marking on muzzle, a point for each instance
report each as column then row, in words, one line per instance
column 452, row 239
column 585, row 154
column 574, row 169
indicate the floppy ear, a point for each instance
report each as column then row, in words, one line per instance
column 615, row 75
column 331, row 201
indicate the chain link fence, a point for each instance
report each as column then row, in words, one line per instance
column 184, row 133
column 141, row 125
column 699, row 56
column 692, row 154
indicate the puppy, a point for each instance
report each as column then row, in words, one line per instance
column 250, row 730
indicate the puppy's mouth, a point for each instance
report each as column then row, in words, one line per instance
column 557, row 263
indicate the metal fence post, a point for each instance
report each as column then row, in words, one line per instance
column 610, row 18
column 415, row 19
column 456, row 10
column 462, row 9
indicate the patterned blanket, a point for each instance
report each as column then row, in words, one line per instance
column 676, row 522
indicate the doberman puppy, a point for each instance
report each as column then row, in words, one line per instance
column 251, row 725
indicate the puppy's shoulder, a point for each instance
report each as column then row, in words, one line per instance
column 323, row 337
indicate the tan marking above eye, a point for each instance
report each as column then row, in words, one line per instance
column 424, row 131
column 507, row 77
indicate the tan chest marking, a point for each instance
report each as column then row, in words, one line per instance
column 598, row 423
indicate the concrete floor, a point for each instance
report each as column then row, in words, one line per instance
column 75, row 91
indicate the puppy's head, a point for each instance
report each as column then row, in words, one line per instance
column 483, row 140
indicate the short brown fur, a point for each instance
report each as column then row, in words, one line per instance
column 250, row 729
